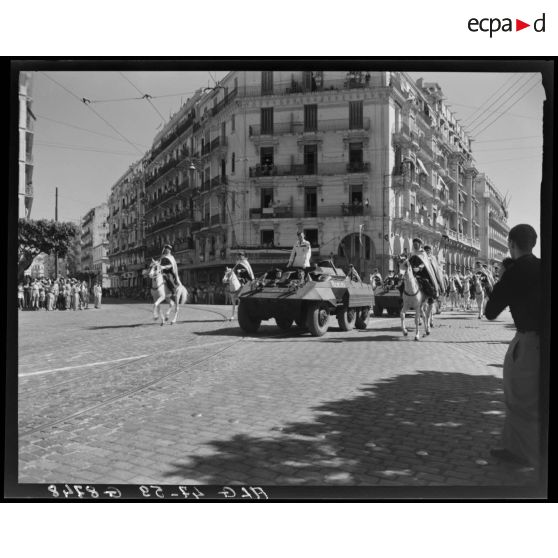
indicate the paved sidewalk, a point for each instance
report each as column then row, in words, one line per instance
column 107, row 396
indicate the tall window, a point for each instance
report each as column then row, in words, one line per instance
column 266, row 198
column 266, row 156
column 356, row 121
column 355, row 194
column 311, row 159
column 311, row 236
column 267, row 83
column 310, row 118
column 266, row 120
column 267, row 238
column 233, row 161
column 233, row 123
column 310, row 202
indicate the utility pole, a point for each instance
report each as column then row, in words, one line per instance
column 56, row 220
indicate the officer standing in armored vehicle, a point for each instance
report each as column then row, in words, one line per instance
column 301, row 253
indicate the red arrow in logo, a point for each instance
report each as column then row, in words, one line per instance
column 519, row 25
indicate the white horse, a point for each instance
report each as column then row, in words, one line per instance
column 453, row 294
column 414, row 299
column 234, row 288
column 479, row 295
column 161, row 293
column 465, row 298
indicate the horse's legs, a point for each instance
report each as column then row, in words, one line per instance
column 402, row 316
column 157, row 308
column 419, row 313
column 234, row 301
column 428, row 317
column 175, row 307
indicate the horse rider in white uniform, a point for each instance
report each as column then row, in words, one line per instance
column 170, row 269
column 243, row 269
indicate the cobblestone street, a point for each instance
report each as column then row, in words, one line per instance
column 109, row 396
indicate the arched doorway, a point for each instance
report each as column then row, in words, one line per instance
column 359, row 251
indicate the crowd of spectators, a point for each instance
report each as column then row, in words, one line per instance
column 64, row 293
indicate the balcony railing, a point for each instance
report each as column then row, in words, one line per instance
column 222, row 104
column 171, row 136
column 332, row 125
column 323, row 169
column 160, row 172
column 297, row 87
column 288, row 212
column 168, row 222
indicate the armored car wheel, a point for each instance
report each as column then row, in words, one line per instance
column 317, row 319
column 284, row 323
column 362, row 317
column 346, row 318
column 245, row 321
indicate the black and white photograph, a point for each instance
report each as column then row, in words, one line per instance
column 279, row 280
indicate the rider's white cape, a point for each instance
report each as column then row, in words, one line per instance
column 246, row 265
column 435, row 276
column 171, row 259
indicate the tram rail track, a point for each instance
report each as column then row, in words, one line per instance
column 131, row 391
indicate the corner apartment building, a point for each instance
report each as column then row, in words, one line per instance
column 25, row 158
column 94, row 243
column 361, row 161
column 126, row 243
column 493, row 216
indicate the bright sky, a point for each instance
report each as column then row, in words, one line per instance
column 84, row 153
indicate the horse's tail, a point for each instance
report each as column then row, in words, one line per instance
column 181, row 295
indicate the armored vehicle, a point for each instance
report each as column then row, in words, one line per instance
column 388, row 299
column 308, row 298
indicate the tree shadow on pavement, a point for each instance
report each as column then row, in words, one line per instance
column 425, row 429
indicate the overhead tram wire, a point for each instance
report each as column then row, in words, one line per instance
column 507, row 139
column 470, row 117
column 513, row 104
column 501, row 105
column 80, row 128
column 95, row 101
column 472, row 124
column 83, row 148
column 145, row 96
column 87, row 103
column 509, row 114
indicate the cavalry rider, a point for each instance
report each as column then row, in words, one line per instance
column 424, row 272
column 353, row 274
column 301, row 252
column 243, row 269
column 169, row 269
column 375, row 279
column 437, row 271
column 390, row 281
column 487, row 281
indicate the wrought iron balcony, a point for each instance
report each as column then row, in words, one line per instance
column 331, row 125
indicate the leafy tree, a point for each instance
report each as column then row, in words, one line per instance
column 45, row 236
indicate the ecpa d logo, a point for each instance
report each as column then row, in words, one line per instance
column 494, row 24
